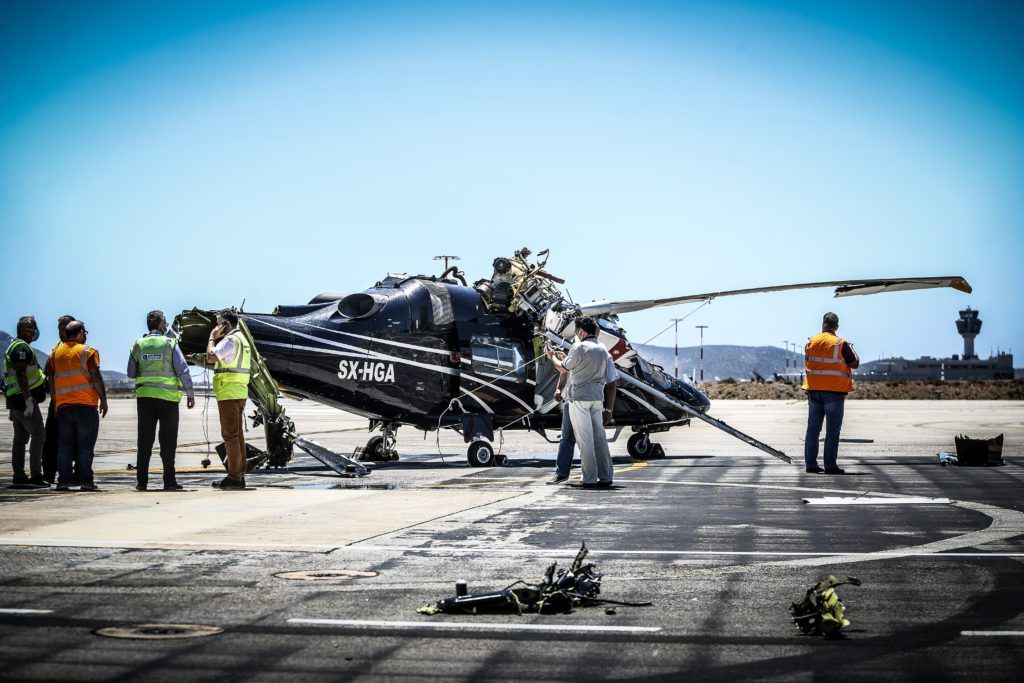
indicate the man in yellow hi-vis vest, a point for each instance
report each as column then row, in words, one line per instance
column 229, row 353
column 829, row 362
column 25, row 391
column 158, row 367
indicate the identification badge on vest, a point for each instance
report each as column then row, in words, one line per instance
column 152, row 356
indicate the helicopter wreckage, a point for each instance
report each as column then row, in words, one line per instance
column 433, row 352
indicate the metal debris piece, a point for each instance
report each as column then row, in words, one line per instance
column 559, row 591
column 821, row 612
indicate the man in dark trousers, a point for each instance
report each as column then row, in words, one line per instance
column 160, row 372
column 51, row 444
column 829, row 362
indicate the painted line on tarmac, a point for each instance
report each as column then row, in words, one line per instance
column 993, row 634
column 9, row 610
column 464, row 550
column 474, row 626
column 1006, row 524
column 491, row 482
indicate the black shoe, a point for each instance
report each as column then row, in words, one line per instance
column 90, row 487
column 141, row 487
column 39, row 483
column 557, row 479
column 834, row 470
column 19, row 481
column 604, row 484
column 814, row 470
column 582, row 485
column 173, row 487
column 61, row 487
column 226, row 484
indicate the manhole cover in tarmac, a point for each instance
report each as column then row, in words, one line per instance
column 159, row 631
column 325, row 575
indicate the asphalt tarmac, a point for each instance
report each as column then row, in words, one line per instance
column 717, row 535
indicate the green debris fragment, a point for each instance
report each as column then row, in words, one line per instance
column 821, row 612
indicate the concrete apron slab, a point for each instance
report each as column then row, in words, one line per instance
column 262, row 519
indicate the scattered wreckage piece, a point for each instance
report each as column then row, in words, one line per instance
column 821, row 612
column 559, row 591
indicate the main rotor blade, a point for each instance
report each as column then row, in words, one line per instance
column 843, row 288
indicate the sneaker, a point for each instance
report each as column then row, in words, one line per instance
column 834, row 470
column 583, row 485
column 557, row 479
column 61, row 487
column 90, row 487
column 141, row 487
column 814, row 470
column 173, row 487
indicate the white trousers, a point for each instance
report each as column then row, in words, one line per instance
column 588, row 427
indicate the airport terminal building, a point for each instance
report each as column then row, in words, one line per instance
column 965, row 367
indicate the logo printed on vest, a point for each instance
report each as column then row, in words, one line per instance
column 367, row 371
column 152, row 356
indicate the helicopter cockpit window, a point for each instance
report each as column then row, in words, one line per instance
column 654, row 374
column 499, row 358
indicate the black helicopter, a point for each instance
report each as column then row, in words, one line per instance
column 433, row 352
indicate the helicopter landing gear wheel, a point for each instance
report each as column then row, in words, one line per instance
column 382, row 448
column 374, row 449
column 639, row 446
column 481, row 454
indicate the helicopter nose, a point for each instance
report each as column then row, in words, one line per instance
column 691, row 395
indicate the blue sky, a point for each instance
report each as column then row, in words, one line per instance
column 178, row 154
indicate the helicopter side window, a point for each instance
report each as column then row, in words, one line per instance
column 499, row 358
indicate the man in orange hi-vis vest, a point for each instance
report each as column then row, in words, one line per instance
column 76, row 386
column 829, row 362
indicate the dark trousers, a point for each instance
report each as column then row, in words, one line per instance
column 827, row 406
column 154, row 413
column 566, row 444
column 52, row 444
column 232, row 430
column 79, row 428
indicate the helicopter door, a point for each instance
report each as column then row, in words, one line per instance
column 497, row 376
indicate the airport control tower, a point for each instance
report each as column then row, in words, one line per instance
column 968, row 326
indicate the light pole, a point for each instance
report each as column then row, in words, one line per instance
column 701, row 328
column 786, row 355
column 676, row 322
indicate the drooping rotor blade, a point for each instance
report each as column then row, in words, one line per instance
column 843, row 288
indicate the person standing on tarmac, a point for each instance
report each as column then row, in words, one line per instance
column 77, row 386
column 52, row 442
column 567, row 441
column 829, row 362
column 229, row 353
column 25, row 391
column 587, row 364
column 158, row 367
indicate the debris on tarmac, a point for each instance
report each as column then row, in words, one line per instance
column 559, row 591
column 821, row 612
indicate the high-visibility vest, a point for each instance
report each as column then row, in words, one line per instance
column 154, row 368
column 824, row 367
column 231, row 381
column 72, row 384
column 33, row 373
